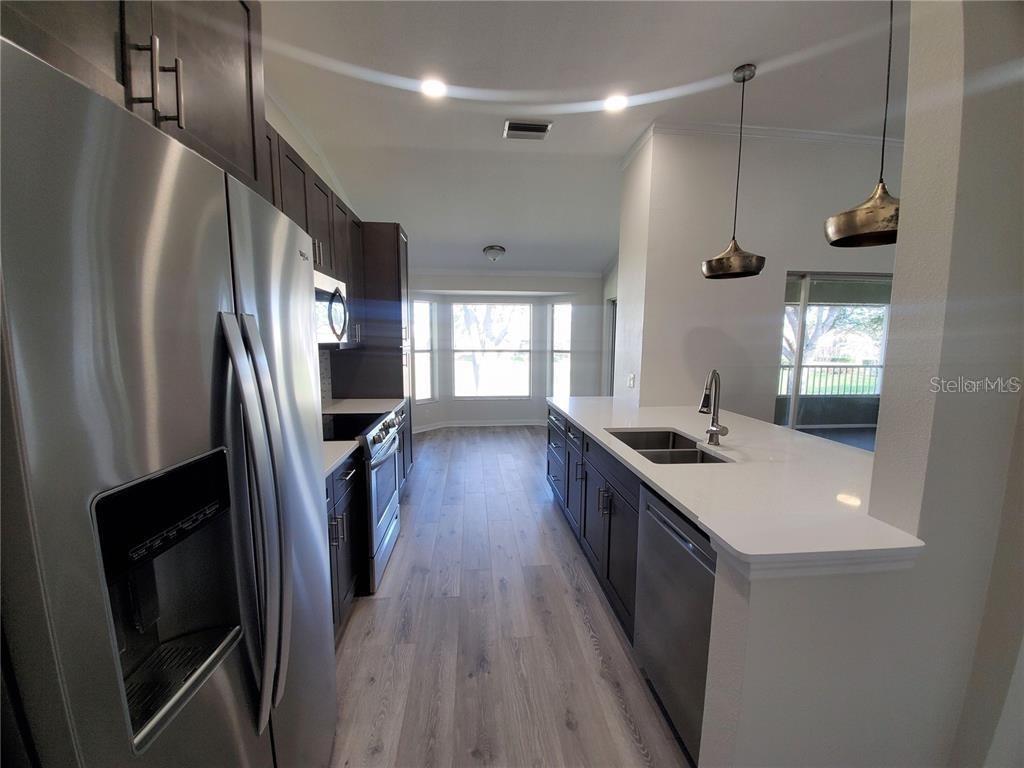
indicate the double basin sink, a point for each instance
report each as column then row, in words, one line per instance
column 663, row 446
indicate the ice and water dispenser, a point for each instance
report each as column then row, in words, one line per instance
column 166, row 547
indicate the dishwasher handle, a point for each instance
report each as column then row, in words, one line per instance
column 698, row 554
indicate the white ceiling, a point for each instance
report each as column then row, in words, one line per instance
column 442, row 168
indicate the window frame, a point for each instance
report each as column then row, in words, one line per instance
column 495, row 301
column 431, row 351
column 552, row 350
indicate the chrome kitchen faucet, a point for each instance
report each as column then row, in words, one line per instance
column 709, row 404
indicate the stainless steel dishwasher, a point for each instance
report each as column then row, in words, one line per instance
column 675, row 585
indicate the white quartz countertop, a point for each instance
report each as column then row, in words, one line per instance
column 361, row 405
column 335, row 452
column 787, row 503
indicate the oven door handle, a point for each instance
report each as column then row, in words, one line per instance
column 377, row 461
column 268, row 396
column 265, row 502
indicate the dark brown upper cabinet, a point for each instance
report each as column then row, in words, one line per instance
column 83, row 39
column 205, row 59
column 271, row 160
column 294, row 184
column 341, row 240
column 356, row 280
column 386, row 285
column 209, row 78
column 318, row 201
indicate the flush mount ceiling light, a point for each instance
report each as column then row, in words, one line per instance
column 494, row 252
column 615, row 103
column 734, row 261
column 433, row 88
column 876, row 220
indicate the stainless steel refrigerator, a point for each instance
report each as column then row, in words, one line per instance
column 166, row 594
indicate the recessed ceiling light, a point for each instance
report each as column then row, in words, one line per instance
column 848, row 499
column 615, row 103
column 433, row 88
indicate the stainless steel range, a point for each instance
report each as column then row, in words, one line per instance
column 380, row 437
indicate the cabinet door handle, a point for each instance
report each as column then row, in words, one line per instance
column 332, row 531
column 154, row 73
column 579, row 470
column 343, row 527
column 349, row 474
column 604, row 498
column 179, row 93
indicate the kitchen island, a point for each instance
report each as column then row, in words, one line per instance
column 780, row 502
column 789, row 613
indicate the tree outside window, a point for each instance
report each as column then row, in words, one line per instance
column 491, row 350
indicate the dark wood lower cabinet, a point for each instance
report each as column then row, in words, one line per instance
column 623, row 522
column 599, row 497
column 344, row 499
column 593, row 530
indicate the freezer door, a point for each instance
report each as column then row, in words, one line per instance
column 116, row 264
column 274, row 295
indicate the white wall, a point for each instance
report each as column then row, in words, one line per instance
column 634, row 219
column 540, row 290
column 790, row 184
column 944, row 465
column 929, row 655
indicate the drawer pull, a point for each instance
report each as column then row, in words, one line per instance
column 349, row 474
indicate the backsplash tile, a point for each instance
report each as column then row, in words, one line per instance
column 325, row 375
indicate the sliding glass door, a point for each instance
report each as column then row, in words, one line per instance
column 833, row 350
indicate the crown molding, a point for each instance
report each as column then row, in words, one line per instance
column 307, row 136
column 766, row 132
column 637, row 145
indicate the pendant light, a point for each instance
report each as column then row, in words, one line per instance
column 876, row 220
column 734, row 261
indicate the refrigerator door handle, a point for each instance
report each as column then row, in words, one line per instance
column 254, row 343
column 266, row 502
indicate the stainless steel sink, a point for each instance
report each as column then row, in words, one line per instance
column 657, row 439
column 680, row 456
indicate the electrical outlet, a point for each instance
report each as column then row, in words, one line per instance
column 631, row 380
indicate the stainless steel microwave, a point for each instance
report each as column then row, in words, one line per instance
column 330, row 310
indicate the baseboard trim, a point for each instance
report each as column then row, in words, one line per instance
column 484, row 423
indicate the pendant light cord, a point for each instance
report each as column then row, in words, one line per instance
column 885, row 115
column 739, row 159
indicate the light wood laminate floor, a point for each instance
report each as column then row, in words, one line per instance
column 490, row 643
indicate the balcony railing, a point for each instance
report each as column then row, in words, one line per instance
column 837, row 380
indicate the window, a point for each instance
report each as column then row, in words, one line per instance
column 833, row 351
column 491, row 350
column 423, row 350
column 561, row 346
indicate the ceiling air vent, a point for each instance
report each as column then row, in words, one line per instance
column 526, row 129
